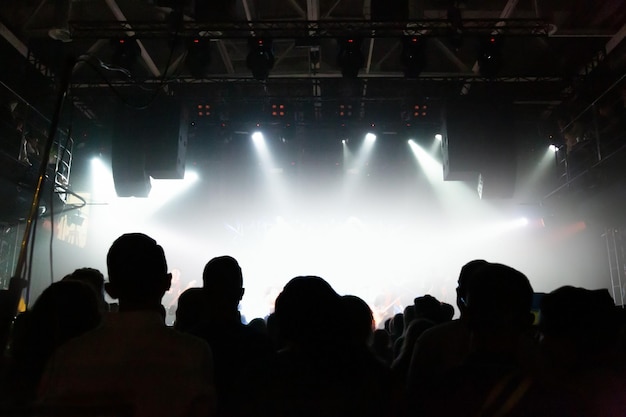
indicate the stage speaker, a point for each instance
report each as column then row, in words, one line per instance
column 148, row 143
column 128, row 158
column 165, row 128
column 479, row 145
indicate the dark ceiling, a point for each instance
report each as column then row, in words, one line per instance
column 551, row 59
column 545, row 48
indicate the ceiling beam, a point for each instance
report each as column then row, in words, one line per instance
column 332, row 9
column 387, row 55
column 297, row 8
column 228, row 63
column 20, row 47
column 450, row 55
column 119, row 15
column 284, row 54
column 615, row 40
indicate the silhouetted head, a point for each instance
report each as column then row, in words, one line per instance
column 358, row 320
column 427, row 307
column 499, row 299
column 64, row 310
column 306, row 311
column 467, row 271
column 191, row 310
column 137, row 271
column 586, row 318
column 223, row 281
column 447, row 312
column 93, row 278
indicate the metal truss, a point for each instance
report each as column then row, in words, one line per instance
column 308, row 29
column 296, row 78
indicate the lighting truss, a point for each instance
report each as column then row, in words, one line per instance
column 311, row 29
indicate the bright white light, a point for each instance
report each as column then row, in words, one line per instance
column 103, row 188
column 257, row 137
column 343, row 141
column 411, row 142
column 431, row 167
column 190, row 176
column 438, row 136
column 521, row 222
column 370, row 137
column 553, row 148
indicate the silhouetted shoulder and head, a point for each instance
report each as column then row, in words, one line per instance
column 138, row 274
column 223, row 284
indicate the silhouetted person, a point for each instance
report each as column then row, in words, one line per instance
column 191, row 309
column 381, row 346
column 134, row 360
column 242, row 355
column 63, row 311
column 321, row 372
column 445, row 345
column 495, row 377
column 582, row 371
column 94, row 279
column 359, row 320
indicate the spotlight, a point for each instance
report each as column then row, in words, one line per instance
column 370, row 137
column 260, row 58
column 553, row 148
column 198, row 59
column 413, row 56
column 257, row 136
column 126, row 52
column 438, row 136
column 490, row 56
column 350, row 57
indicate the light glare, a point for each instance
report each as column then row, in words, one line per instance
column 257, row 136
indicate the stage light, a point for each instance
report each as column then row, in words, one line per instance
column 438, row 137
column 257, row 137
column 278, row 110
column 521, row 222
column 198, row 59
column 370, row 137
column 413, row 56
column 490, row 56
column 553, row 148
column 350, row 57
column 260, row 58
column 126, row 52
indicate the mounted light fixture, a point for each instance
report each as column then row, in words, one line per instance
column 198, row 59
column 126, row 52
column 260, row 58
column 490, row 56
column 350, row 57
column 413, row 55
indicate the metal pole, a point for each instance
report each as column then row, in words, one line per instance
column 8, row 309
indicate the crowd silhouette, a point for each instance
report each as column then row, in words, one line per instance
column 318, row 354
